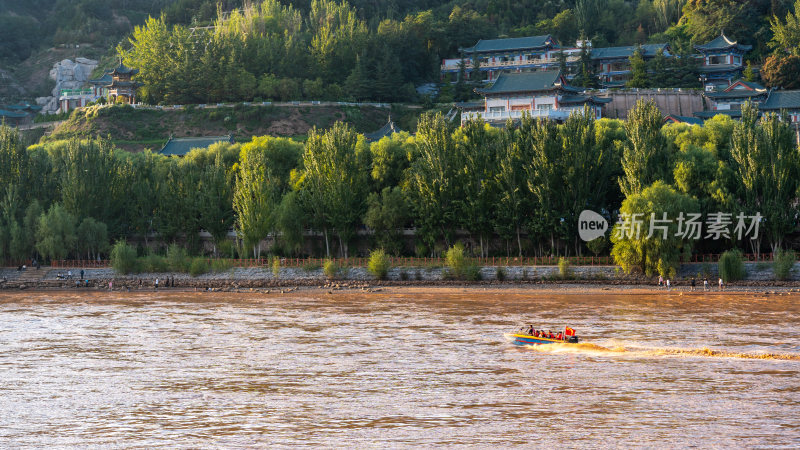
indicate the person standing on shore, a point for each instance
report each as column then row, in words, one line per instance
column 721, row 286
column 660, row 281
column 156, row 285
column 81, row 274
column 668, row 285
column 692, row 284
column 705, row 284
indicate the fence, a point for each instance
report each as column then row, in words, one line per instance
column 420, row 262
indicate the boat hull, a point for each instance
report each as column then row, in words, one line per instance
column 525, row 339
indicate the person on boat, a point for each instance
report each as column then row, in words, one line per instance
column 531, row 330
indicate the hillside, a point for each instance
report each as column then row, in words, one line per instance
column 143, row 128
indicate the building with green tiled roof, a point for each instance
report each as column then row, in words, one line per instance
column 543, row 94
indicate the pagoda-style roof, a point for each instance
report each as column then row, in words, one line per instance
column 543, row 80
column 722, row 42
column 580, row 99
column 102, row 81
column 720, row 68
column 648, row 51
column 511, row 44
column 385, row 131
column 123, row 84
column 182, row 146
column 729, row 95
column 24, row 106
column 121, row 69
column 12, row 114
column 740, row 85
column 778, row 100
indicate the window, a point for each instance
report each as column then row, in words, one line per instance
column 497, row 109
column 718, row 59
column 544, row 106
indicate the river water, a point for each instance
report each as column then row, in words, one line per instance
column 395, row 369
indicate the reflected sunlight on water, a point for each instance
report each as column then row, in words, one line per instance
column 397, row 369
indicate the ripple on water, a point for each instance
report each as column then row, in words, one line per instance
column 198, row 370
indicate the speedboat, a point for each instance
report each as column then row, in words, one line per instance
column 521, row 338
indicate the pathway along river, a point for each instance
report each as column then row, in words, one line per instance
column 419, row 367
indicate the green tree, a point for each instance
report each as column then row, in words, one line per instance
column 514, row 198
column 334, row 181
column 92, row 238
column 261, row 179
column 386, row 214
column 786, row 35
column 638, row 70
column 55, row 235
column 767, row 164
column 476, row 147
column 646, row 153
column 431, row 185
column 635, row 248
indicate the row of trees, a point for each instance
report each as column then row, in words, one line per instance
column 332, row 51
column 516, row 190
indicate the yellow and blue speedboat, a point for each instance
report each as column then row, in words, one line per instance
column 567, row 337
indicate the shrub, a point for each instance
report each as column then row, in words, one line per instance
column 177, row 259
column 154, row 264
column 418, row 275
column 221, row 265
column 276, row 267
column 472, row 273
column 456, row 260
column 123, row 258
column 311, row 266
column 783, row 264
column 563, row 268
column 331, row 269
column 731, row 266
column 500, row 274
column 597, row 246
column 199, row 266
column 378, row 264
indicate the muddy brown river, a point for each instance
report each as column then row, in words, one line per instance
column 401, row 368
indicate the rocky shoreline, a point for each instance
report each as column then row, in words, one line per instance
column 290, row 280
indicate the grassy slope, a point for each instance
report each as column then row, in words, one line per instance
column 138, row 129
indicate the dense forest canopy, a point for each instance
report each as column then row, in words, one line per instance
column 439, row 27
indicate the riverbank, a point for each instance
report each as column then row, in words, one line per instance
column 588, row 279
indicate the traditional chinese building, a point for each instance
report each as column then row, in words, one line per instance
column 534, row 53
column 722, row 61
column 614, row 63
column 730, row 100
column 100, row 86
column 510, row 55
column 122, row 87
column 543, row 94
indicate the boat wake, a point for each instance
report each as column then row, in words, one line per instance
column 621, row 349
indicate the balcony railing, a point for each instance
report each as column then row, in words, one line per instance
column 452, row 64
column 75, row 92
column 498, row 116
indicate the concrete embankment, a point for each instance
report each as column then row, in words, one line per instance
column 758, row 275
